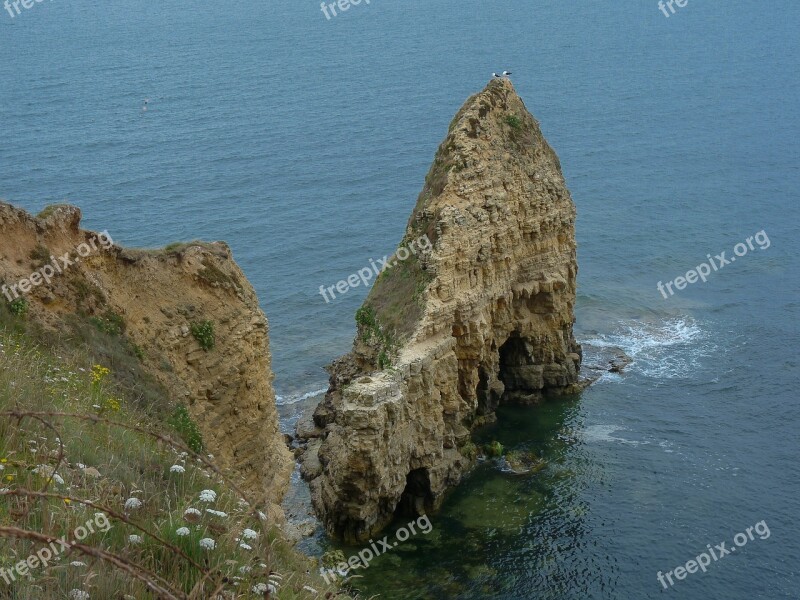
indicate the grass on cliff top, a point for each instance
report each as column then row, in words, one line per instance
column 105, row 449
column 397, row 299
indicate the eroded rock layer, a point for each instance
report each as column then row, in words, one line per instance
column 480, row 316
column 154, row 298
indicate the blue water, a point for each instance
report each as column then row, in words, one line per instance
column 303, row 142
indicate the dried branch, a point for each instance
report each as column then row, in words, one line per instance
column 150, row 579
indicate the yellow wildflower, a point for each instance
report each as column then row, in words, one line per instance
column 99, row 373
column 112, row 404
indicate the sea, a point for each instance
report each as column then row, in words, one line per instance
column 303, row 140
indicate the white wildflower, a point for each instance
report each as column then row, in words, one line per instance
column 182, row 531
column 48, row 472
column 192, row 515
column 208, row 496
column 249, row 534
column 245, row 546
column 177, row 469
column 77, row 563
column 133, row 504
column 78, row 595
column 207, row 544
column 260, row 588
column 217, row 513
column 245, row 569
column 135, row 539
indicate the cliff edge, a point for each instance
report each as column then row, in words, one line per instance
column 187, row 312
column 480, row 314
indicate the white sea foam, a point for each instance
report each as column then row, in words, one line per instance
column 295, row 398
column 602, row 433
column 665, row 349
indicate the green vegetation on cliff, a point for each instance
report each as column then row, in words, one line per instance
column 84, row 447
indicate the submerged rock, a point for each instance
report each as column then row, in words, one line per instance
column 522, row 462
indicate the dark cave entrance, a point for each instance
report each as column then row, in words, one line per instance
column 417, row 497
column 521, row 377
column 488, row 395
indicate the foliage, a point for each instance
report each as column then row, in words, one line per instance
column 18, row 307
column 186, row 428
column 495, row 449
column 109, row 323
column 370, row 329
column 514, row 121
column 40, row 255
column 469, row 450
column 64, row 462
column 203, row 332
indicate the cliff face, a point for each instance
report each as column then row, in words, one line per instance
column 484, row 315
column 153, row 298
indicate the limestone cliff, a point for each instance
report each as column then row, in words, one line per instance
column 483, row 316
column 154, row 298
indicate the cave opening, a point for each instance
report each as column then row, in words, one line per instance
column 417, row 497
column 522, row 378
column 488, row 394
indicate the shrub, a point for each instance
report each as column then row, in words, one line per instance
column 203, row 332
column 514, row 121
column 494, row 449
column 186, row 428
column 469, row 450
column 109, row 323
column 18, row 307
column 40, row 255
column 369, row 329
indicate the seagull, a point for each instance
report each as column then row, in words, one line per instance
column 146, row 100
column 506, row 73
column 496, row 76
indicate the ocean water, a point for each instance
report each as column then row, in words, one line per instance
column 303, row 142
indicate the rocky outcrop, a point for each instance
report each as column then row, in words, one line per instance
column 154, row 298
column 481, row 315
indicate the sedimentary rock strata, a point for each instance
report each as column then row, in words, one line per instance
column 483, row 317
column 154, row 298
